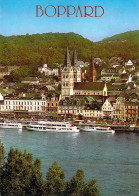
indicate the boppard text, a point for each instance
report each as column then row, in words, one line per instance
column 69, row 11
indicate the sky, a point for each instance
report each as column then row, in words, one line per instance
column 18, row 17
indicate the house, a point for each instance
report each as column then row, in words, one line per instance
column 119, row 113
column 93, row 111
column 30, row 80
column 71, row 107
column 48, row 71
column 131, row 111
column 51, row 107
column 24, row 104
column 107, row 108
column 129, row 66
column 3, row 71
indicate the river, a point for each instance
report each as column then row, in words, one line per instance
column 112, row 159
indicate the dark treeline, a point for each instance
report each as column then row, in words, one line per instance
column 20, row 175
column 50, row 48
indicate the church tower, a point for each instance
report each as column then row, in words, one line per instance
column 76, row 67
column 67, row 82
column 92, row 71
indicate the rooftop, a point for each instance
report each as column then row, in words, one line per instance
column 89, row 85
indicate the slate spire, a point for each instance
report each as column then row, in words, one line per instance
column 92, row 70
column 67, row 62
column 92, row 66
column 74, row 57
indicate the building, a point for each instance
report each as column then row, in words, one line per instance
column 69, row 74
column 51, row 108
column 22, row 105
column 71, row 107
column 30, row 80
column 48, row 71
column 92, row 71
column 6, row 70
column 90, row 88
column 119, row 112
column 71, row 84
column 107, row 108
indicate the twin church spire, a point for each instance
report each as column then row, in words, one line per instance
column 67, row 61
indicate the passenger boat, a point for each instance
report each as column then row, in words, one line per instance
column 97, row 129
column 10, row 125
column 52, row 126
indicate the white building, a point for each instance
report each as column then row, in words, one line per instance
column 28, row 105
column 95, row 114
column 107, row 109
column 48, row 71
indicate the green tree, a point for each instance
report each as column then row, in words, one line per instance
column 1, row 154
column 55, row 184
column 20, row 175
column 78, row 187
column 75, row 185
column 90, row 189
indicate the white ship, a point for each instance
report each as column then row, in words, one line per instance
column 97, row 129
column 10, row 125
column 52, row 126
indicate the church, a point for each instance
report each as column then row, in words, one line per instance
column 71, row 79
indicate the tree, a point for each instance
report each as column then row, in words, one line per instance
column 55, row 184
column 1, row 154
column 20, row 176
column 90, row 189
column 75, row 185
column 78, row 187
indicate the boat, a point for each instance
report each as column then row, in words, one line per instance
column 10, row 125
column 97, row 129
column 49, row 126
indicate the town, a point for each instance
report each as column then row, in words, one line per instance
column 74, row 91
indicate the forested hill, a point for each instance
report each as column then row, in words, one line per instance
column 130, row 35
column 50, row 48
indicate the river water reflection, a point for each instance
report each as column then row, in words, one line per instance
column 113, row 159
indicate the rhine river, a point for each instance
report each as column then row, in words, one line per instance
column 112, row 159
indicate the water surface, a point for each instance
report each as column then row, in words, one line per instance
column 113, row 159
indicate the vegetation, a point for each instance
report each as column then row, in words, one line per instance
column 130, row 35
column 36, row 49
column 21, row 176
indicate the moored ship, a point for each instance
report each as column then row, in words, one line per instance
column 49, row 126
column 10, row 125
column 97, row 129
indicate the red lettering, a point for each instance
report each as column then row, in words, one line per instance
column 54, row 10
column 68, row 13
column 79, row 9
column 39, row 7
column 85, row 12
column 96, row 11
column 59, row 10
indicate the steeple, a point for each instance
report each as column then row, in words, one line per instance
column 74, row 58
column 92, row 70
column 67, row 62
column 92, row 67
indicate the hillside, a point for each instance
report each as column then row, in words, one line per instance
column 130, row 35
column 37, row 48
column 50, row 48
